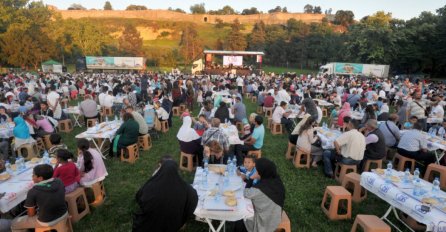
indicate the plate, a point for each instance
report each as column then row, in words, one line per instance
column 4, row 176
column 429, row 200
column 231, row 201
column 379, row 171
column 229, row 193
column 35, row 160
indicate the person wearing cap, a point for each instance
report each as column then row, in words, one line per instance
column 375, row 142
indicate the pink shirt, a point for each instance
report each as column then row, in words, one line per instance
column 98, row 173
column 45, row 125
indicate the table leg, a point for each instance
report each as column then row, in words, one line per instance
column 211, row 227
column 76, row 120
column 99, row 147
column 439, row 155
column 390, row 210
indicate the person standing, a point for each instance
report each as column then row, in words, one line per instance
column 239, row 110
column 53, row 102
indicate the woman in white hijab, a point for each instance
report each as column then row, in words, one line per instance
column 190, row 141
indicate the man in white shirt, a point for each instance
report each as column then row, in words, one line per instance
column 102, row 95
column 239, row 81
column 437, row 112
column 349, row 149
column 281, row 116
column 282, row 95
column 53, row 102
column 108, row 100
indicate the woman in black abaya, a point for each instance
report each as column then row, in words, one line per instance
column 166, row 201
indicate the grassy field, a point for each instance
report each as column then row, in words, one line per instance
column 304, row 188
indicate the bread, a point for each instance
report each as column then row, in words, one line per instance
column 4, row 176
column 429, row 200
column 212, row 192
column 379, row 171
column 395, row 179
column 53, row 161
column 231, row 201
column 35, row 160
column 228, row 193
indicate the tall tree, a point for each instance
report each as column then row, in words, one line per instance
column 76, row 6
column 198, row 9
column 236, row 41
column 308, row 9
column 275, row 10
column 257, row 38
column 136, row 7
column 88, row 38
column 250, row 11
column 190, row 45
column 344, row 18
column 108, row 6
column 130, row 42
column 317, row 10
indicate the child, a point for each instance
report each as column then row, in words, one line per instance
column 410, row 123
column 248, row 171
column 56, row 145
column 66, row 170
column 201, row 125
column 334, row 113
column 246, row 129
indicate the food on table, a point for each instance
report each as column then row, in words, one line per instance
column 379, row 171
column 53, row 161
column 13, row 167
column 395, row 179
column 219, row 169
column 228, row 193
column 4, row 176
column 429, row 200
column 231, row 201
column 35, row 160
column 213, row 192
column 329, row 134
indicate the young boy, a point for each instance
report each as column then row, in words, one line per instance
column 410, row 123
column 48, row 195
column 248, row 171
column 201, row 125
column 56, row 142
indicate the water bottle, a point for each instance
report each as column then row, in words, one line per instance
column 441, row 133
column 218, row 192
column 96, row 125
column 435, row 187
column 206, row 166
column 234, row 165
column 406, row 176
column 205, row 180
column 46, row 158
column 8, row 167
column 116, row 118
column 226, row 179
column 416, row 174
column 106, row 119
column 434, row 132
column 417, row 187
column 389, row 172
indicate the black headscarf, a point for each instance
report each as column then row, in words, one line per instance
column 270, row 183
column 166, row 201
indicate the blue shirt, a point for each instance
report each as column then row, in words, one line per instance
column 258, row 134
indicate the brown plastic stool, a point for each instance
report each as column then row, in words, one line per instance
column 436, row 168
column 144, row 142
column 47, row 142
column 64, row 103
column 40, row 145
column 399, row 162
column 256, row 153
column 285, row 224
column 290, row 151
column 336, row 193
column 269, row 123
column 107, row 111
column 65, row 125
column 182, row 108
column 370, row 223
column 269, row 112
column 77, row 204
column 342, row 170
column 132, row 153
column 368, row 164
column 63, row 225
column 187, row 162
column 31, row 150
column 91, row 122
column 99, row 193
column 351, row 182
column 176, row 111
column 253, row 99
column 324, row 112
column 301, row 159
column 276, row 129
column 259, row 110
column 164, row 126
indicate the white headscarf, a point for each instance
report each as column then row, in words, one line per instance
column 186, row 133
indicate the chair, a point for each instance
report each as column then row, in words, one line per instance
column 351, row 182
column 400, row 162
column 301, row 159
column 370, row 223
column 289, row 152
column 164, row 126
column 433, row 169
column 91, row 122
column 40, row 145
column 28, row 150
column 130, row 154
column 276, row 129
column 336, row 194
column 47, row 141
column 144, row 142
column 342, row 170
column 253, row 99
column 256, row 153
column 77, row 204
column 259, row 110
column 285, row 224
column 176, row 111
column 324, row 112
column 268, row 112
column 187, row 162
column 98, row 189
column 368, row 164
column 63, row 225
column 65, row 125
column 64, row 103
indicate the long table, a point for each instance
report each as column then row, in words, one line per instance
column 107, row 131
column 213, row 207
column 232, row 133
column 400, row 196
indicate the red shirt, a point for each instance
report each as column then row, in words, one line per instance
column 67, row 173
column 269, row 101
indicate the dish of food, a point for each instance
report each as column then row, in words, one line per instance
column 228, row 193
column 429, row 200
column 379, row 171
column 35, row 160
column 13, row 167
column 4, row 176
column 212, row 192
column 231, row 201
column 53, row 161
column 395, row 179
column 219, row 169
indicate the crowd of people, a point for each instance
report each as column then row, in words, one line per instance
column 34, row 103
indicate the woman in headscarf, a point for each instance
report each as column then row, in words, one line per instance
column 295, row 134
column 268, row 197
column 345, row 111
column 21, row 132
column 190, row 141
column 166, row 201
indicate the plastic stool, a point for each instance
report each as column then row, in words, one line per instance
column 276, row 129
column 77, row 204
column 63, row 225
column 239, row 126
column 436, row 168
column 301, row 156
column 370, row 223
column 65, row 125
column 107, row 111
column 99, row 193
column 342, row 170
column 31, row 150
column 176, row 111
column 324, row 112
column 47, row 142
column 336, row 193
column 187, row 162
column 182, row 108
column 132, row 151
column 144, row 142
column 285, row 223
column 269, row 112
column 259, row 110
column 269, row 123
column 290, row 151
column 40, row 145
column 91, row 122
column 164, row 126
column 351, row 182
column 400, row 162
column 368, row 164
column 253, row 99
column 256, row 153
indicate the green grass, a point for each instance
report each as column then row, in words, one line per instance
column 304, row 188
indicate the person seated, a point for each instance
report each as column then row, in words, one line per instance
column 349, row 149
column 22, row 108
column 248, row 171
column 66, row 170
column 375, row 142
column 268, row 102
column 161, row 112
column 43, row 126
column 56, row 142
column 165, row 201
column 390, row 131
column 45, row 110
column 239, row 110
column 343, row 112
column 253, row 142
column 213, row 152
column 442, row 130
column 246, row 130
column 413, row 145
column 21, row 133
column 307, row 137
column 190, row 141
column 215, row 133
column 268, row 197
column 91, row 166
column 222, row 112
column 126, row 135
column 143, row 128
column 201, row 125
column 280, row 116
column 89, row 109
column 295, row 133
column 409, row 124
column 48, row 195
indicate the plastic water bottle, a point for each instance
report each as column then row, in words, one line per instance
column 229, row 166
column 406, row 176
column 389, row 172
column 46, row 158
column 8, row 167
column 435, row 187
column 205, row 180
column 226, row 179
column 96, row 125
column 219, row 191
column 234, row 165
column 106, row 119
column 417, row 187
column 416, row 174
column 116, row 118
column 441, row 133
column 206, row 166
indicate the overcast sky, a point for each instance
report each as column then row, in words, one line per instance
column 403, row 9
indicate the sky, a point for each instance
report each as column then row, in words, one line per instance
column 402, row 9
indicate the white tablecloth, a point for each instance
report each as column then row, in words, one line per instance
column 323, row 103
column 356, row 115
column 244, row 208
column 401, row 197
column 328, row 136
column 232, row 133
column 107, row 130
column 6, row 130
column 119, row 99
column 16, row 188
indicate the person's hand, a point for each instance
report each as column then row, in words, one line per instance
column 255, row 176
column 206, row 151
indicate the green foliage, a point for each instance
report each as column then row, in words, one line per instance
column 136, row 7
column 257, row 38
column 317, row 10
column 235, row 41
column 226, row 10
column 250, row 11
column 198, row 9
column 130, row 42
column 76, row 6
column 308, row 9
column 108, row 6
column 278, row 9
column 190, row 46
column 344, row 18
column 179, row 10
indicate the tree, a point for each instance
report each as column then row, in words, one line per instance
column 308, row 9
column 10, row 11
column 130, row 42
column 219, row 23
column 88, row 38
column 344, row 18
column 76, row 6
column 284, row 10
column 257, row 38
column 275, row 10
column 179, row 10
column 136, row 7
column 250, row 11
column 235, row 41
column 317, row 10
column 198, row 9
column 190, row 45
column 108, row 6
column 380, row 18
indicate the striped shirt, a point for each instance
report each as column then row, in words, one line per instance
column 417, row 108
column 216, row 134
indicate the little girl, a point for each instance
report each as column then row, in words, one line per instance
column 66, row 170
